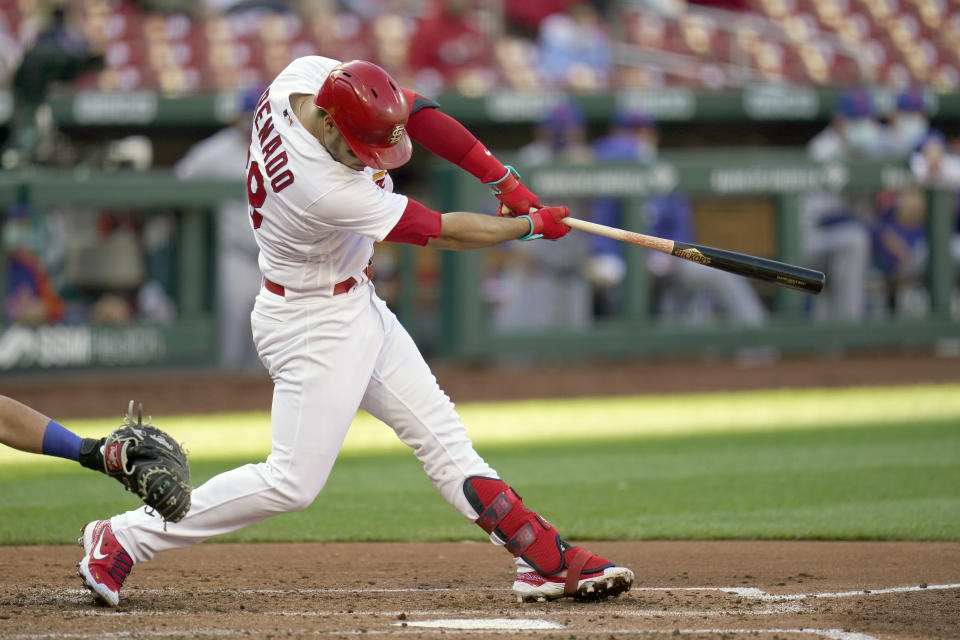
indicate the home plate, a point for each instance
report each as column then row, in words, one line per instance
column 511, row 624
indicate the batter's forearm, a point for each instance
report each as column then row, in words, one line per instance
column 460, row 230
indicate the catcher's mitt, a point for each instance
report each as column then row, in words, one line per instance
column 147, row 461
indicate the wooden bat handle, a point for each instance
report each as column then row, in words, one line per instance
column 650, row 242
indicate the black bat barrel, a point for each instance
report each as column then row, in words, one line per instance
column 781, row 273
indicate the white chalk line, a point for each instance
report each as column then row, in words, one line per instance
column 741, row 592
column 487, row 624
column 759, row 594
column 830, row 634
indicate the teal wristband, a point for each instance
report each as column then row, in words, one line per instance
column 493, row 185
column 530, row 235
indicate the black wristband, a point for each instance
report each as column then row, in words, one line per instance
column 90, row 454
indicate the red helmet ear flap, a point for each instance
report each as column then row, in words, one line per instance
column 370, row 111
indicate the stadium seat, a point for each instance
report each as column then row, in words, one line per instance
column 897, row 41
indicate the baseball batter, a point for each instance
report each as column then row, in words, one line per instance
column 324, row 136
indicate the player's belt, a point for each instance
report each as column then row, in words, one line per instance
column 340, row 287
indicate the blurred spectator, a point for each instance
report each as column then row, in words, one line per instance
column 220, row 6
column 154, row 303
column 728, row 5
column 931, row 162
column 528, row 14
column 926, row 149
column 835, row 227
column 541, row 284
column 560, row 136
column 900, row 251
column 448, row 49
column 854, row 130
column 673, row 8
column 131, row 152
column 143, row 246
column 61, row 53
column 186, row 7
column 222, row 156
column 934, row 166
column 30, row 296
column 909, row 123
column 104, row 264
column 79, row 265
column 369, row 10
column 341, row 35
column 575, row 49
column 686, row 289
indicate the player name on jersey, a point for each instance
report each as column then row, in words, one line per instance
column 273, row 162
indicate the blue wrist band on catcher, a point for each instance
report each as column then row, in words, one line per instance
column 530, row 235
column 61, row 442
column 493, row 185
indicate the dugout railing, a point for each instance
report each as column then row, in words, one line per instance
column 457, row 326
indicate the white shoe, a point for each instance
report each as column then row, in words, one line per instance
column 598, row 579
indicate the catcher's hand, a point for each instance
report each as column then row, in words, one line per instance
column 147, row 461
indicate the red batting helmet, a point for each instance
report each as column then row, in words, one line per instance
column 370, row 112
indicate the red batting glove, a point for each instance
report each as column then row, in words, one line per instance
column 513, row 195
column 547, row 223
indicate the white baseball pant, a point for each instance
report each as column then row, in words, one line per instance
column 328, row 356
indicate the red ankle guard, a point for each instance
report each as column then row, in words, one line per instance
column 527, row 535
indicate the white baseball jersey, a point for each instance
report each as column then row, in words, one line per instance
column 316, row 219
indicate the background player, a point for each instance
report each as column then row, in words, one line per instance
column 320, row 196
column 687, row 291
column 238, row 276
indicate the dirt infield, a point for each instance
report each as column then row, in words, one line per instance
column 755, row 590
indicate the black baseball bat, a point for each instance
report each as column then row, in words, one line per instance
column 780, row 273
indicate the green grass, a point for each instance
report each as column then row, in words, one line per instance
column 815, row 464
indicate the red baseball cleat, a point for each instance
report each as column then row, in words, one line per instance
column 105, row 564
column 586, row 577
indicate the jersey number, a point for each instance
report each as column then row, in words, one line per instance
column 256, row 194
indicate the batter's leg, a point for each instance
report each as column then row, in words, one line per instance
column 320, row 358
column 404, row 394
